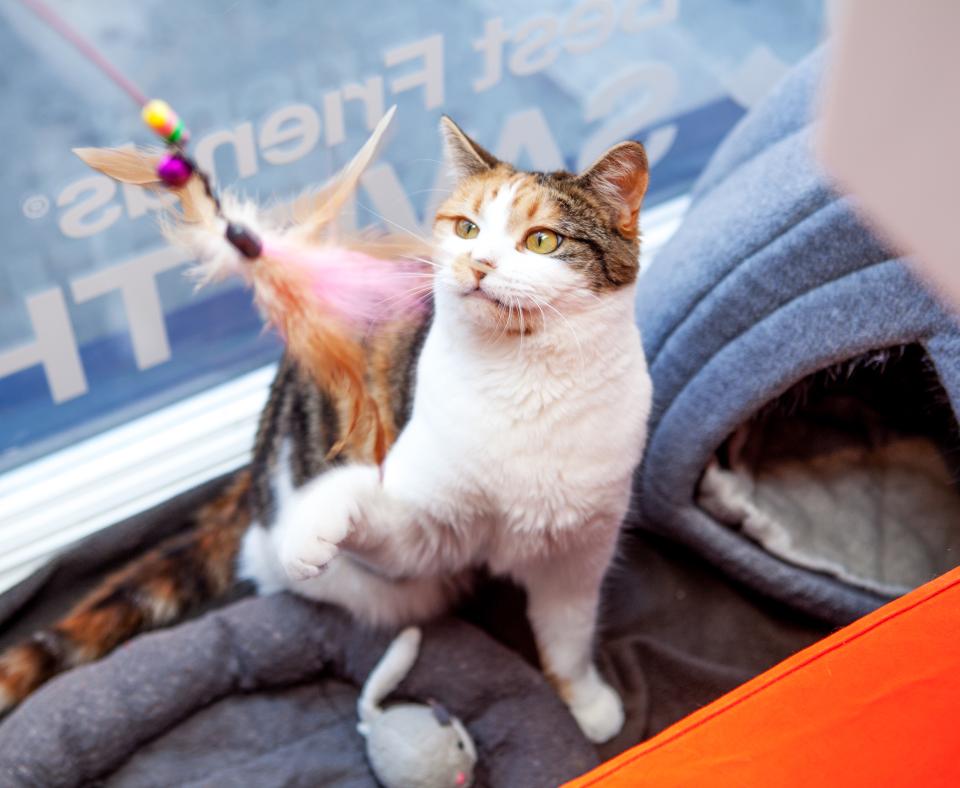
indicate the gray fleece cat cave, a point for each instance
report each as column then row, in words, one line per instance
column 806, row 385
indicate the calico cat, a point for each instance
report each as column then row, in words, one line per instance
column 514, row 410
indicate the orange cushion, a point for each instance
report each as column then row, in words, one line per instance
column 875, row 704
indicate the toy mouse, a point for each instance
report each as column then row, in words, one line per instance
column 411, row 745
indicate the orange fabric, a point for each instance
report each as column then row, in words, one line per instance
column 875, row 704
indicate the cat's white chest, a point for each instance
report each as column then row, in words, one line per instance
column 514, row 453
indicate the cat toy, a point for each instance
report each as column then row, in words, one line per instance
column 320, row 295
column 411, row 745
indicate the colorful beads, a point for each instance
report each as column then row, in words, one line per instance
column 160, row 117
column 174, row 170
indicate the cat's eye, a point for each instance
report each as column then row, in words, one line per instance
column 543, row 241
column 467, row 229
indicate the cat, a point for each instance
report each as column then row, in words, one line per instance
column 515, row 411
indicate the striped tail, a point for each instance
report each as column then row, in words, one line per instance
column 152, row 591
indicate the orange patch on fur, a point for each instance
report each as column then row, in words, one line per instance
column 161, row 600
column 532, row 207
column 470, row 194
column 97, row 632
column 562, row 687
column 20, row 674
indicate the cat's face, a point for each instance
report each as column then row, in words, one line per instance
column 516, row 248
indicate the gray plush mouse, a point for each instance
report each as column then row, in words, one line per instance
column 411, row 745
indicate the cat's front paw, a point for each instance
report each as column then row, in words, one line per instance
column 313, row 523
column 308, row 560
column 597, row 709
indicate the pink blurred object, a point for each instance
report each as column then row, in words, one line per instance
column 890, row 131
column 353, row 286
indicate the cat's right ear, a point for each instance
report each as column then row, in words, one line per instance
column 463, row 156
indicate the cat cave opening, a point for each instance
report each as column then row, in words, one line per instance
column 852, row 472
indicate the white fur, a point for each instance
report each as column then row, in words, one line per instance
column 519, row 455
column 216, row 258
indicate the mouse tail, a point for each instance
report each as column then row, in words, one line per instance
column 392, row 668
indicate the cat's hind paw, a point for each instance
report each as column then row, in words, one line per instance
column 598, row 711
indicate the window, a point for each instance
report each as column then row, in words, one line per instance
column 97, row 325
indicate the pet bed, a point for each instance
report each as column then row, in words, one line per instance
column 264, row 692
column 170, row 708
column 806, row 384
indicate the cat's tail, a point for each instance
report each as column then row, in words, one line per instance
column 152, row 591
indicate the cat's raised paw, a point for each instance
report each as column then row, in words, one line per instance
column 316, row 519
column 309, row 564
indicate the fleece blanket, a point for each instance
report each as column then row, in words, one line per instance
column 770, row 278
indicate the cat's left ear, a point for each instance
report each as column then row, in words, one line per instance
column 620, row 178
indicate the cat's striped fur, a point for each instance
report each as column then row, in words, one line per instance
column 590, row 275
column 189, row 569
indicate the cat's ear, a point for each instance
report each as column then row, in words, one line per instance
column 620, row 178
column 462, row 155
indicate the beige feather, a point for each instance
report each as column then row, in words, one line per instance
column 127, row 165
column 138, row 166
column 314, row 213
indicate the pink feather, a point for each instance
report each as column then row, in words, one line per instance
column 352, row 286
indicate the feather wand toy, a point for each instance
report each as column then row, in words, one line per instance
column 321, row 293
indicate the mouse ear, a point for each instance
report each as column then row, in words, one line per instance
column 440, row 712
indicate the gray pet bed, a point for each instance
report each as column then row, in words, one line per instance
column 264, row 692
column 675, row 635
column 806, row 385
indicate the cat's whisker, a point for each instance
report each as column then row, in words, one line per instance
column 522, row 327
column 422, row 260
column 543, row 317
column 415, row 275
column 573, row 333
column 506, row 321
column 413, row 294
column 392, row 223
column 431, row 161
column 426, row 191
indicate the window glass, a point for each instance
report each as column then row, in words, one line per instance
column 97, row 323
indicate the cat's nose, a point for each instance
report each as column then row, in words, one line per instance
column 481, row 268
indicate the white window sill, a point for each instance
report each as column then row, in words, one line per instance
column 51, row 503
